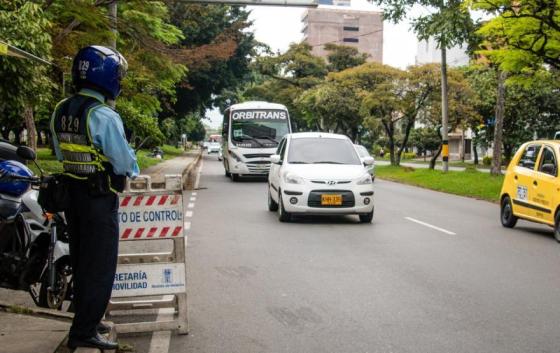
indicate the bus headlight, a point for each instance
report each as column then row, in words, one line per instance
column 235, row 156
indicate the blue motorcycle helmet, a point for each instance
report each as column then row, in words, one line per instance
column 99, row 68
column 14, row 188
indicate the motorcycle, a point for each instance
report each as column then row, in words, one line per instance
column 34, row 250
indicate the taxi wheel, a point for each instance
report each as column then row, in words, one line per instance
column 283, row 216
column 557, row 227
column 272, row 205
column 506, row 214
column 234, row 177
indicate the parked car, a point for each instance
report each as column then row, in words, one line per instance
column 364, row 155
column 531, row 184
column 319, row 173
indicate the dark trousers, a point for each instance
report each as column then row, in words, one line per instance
column 94, row 241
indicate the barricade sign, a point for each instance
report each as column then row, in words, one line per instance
column 150, row 214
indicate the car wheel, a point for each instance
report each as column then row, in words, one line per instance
column 557, row 227
column 506, row 213
column 283, row 216
column 366, row 218
column 234, row 177
column 272, row 205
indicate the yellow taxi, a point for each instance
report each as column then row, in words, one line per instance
column 531, row 188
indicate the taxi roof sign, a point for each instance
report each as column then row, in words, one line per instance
column 288, row 3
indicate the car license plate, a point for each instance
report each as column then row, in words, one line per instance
column 522, row 193
column 331, row 200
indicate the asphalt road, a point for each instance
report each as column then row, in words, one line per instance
column 433, row 273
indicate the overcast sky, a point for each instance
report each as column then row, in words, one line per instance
column 280, row 26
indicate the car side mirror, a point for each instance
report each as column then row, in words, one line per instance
column 549, row 168
column 26, row 153
column 275, row 158
column 368, row 161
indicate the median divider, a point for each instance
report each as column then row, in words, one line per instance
column 142, row 278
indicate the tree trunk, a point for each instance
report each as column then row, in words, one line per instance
column 498, row 128
column 30, row 126
column 408, row 128
column 40, row 139
column 434, row 158
column 475, row 146
column 444, row 109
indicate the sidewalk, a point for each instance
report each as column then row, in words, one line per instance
column 23, row 333
column 172, row 166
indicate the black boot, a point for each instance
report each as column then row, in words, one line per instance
column 103, row 329
column 96, row 341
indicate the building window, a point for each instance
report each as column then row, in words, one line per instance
column 351, row 28
column 350, row 40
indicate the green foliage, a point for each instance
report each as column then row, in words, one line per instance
column 487, row 160
column 218, row 49
column 449, row 23
column 342, row 57
column 24, row 83
column 524, row 34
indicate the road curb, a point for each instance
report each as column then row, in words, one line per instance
column 36, row 311
column 188, row 174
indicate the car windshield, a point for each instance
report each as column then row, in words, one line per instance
column 362, row 151
column 322, row 151
column 259, row 129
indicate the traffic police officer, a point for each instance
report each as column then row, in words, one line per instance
column 89, row 139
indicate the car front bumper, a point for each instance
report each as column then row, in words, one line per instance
column 360, row 205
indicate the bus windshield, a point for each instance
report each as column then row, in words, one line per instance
column 258, row 128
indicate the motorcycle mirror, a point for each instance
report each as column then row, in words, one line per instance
column 26, row 153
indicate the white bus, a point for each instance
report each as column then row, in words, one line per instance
column 251, row 133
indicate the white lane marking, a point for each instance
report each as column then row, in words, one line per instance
column 194, row 193
column 430, row 226
column 188, row 214
column 193, row 198
column 161, row 339
column 187, row 225
column 190, row 205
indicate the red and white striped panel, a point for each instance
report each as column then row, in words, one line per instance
column 149, row 200
column 151, row 233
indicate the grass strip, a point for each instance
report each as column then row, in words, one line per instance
column 470, row 183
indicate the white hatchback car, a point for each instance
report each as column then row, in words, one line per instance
column 319, row 173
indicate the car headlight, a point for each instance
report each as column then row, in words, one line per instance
column 293, row 179
column 364, row 180
column 236, row 157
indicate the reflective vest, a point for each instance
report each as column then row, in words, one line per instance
column 80, row 158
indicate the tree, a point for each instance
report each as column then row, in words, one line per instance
column 524, row 35
column 218, row 49
column 342, row 57
column 449, row 25
column 25, row 85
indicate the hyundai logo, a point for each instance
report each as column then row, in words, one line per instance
column 331, row 182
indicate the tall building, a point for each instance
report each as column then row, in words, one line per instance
column 428, row 52
column 361, row 29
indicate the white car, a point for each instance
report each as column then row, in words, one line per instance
column 214, row 147
column 320, row 174
column 364, row 154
